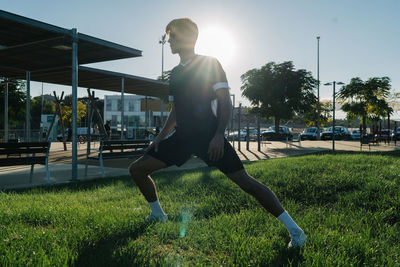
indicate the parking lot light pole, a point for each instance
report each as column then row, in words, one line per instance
column 333, row 111
column 162, row 41
column 318, row 104
column 233, row 110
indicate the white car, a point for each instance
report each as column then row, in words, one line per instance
column 355, row 135
column 310, row 133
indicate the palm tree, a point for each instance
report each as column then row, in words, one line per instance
column 366, row 99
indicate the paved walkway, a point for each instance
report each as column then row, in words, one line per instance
column 60, row 161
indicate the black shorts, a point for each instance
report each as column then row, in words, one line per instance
column 176, row 151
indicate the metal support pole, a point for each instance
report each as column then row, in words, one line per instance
column 162, row 42
column 240, row 111
column 333, row 117
column 258, row 133
column 232, row 126
column 28, row 107
column 6, row 112
column 122, row 106
column 247, row 135
column 146, row 114
column 318, row 104
column 74, row 103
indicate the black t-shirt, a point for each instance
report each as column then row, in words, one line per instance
column 193, row 86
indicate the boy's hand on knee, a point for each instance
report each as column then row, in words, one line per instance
column 154, row 144
column 216, row 148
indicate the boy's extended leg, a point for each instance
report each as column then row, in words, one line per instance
column 140, row 171
column 270, row 202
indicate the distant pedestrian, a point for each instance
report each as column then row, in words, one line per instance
column 107, row 126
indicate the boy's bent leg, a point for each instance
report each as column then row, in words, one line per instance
column 271, row 203
column 140, row 171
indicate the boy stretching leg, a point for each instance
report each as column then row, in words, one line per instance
column 200, row 113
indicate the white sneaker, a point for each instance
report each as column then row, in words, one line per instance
column 153, row 218
column 298, row 239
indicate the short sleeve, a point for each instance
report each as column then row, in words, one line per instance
column 217, row 75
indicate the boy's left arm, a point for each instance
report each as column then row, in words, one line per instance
column 216, row 147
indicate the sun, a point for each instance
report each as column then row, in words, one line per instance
column 217, row 42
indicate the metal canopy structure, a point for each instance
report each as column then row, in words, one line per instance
column 32, row 45
column 95, row 79
column 35, row 50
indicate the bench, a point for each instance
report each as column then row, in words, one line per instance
column 369, row 140
column 111, row 149
column 25, row 153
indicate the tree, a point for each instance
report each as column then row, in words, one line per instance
column 36, row 110
column 66, row 111
column 366, row 99
column 279, row 91
column 310, row 117
column 16, row 103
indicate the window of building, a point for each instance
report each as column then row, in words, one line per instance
column 114, row 104
column 114, row 120
column 108, row 104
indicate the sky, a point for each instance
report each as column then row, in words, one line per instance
column 358, row 38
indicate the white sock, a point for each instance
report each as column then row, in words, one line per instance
column 156, row 209
column 290, row 225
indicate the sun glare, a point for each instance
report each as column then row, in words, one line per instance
column 217, row 42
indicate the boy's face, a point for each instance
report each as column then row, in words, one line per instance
column 179, row 42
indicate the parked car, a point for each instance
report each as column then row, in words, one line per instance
column 233, row 136
column 253, row 134
column 243, row 134
column 310, row 133
column 341, row 133
column 270, row 134
column 397, row 134
column 355, row 134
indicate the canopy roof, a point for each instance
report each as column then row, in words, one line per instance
column 29, row 44
column 95, row 79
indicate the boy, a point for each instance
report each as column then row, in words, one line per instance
column 200, row 113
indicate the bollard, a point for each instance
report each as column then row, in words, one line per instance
column 240, row 109
column 247, row 135
column 258, row 133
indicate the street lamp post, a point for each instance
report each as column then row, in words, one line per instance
column 162, row 41
column 318, row 104
column 233, row 110
column 333, row 111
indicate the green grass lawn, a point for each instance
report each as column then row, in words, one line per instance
column 348, row 204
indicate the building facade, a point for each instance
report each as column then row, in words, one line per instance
column 139, row 111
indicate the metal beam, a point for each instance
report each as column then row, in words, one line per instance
column 74, row 103
column 6, row 112
column 31, row 43
column 28, row 108
column 122, row 106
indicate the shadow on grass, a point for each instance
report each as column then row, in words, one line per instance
column 75, row 186
column 285, row 257
column 104, row 252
